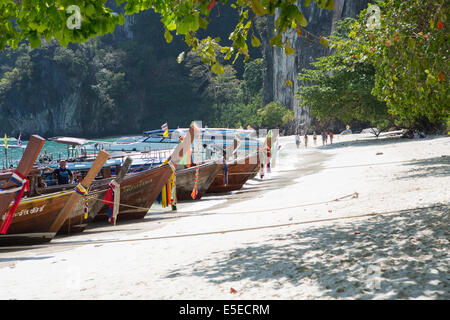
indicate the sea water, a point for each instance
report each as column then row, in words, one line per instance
column 53, row 149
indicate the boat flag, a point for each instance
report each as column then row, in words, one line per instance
column 6, row 142
column 19, row 140
column 165, row 127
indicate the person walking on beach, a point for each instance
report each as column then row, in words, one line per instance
column 297, row 140
column 324, row 138
column 331, row 137
column 315, row 138
column 306, row 140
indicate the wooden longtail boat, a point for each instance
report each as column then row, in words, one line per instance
column 77, row 221
column 139, row 190
column 208, row 170
column 33, row 218
column 239, row 171
column 38, row 219
column 186, row 179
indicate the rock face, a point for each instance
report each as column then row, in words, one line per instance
column 84, row 90
column 321, row 22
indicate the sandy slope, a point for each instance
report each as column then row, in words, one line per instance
column 398, row 255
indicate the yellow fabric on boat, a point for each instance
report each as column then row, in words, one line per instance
column 163, row 197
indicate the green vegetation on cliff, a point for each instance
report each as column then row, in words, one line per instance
column 123, row 85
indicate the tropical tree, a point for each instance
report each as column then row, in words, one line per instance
column 408, row 44
column 275, row 115
column 339, row 86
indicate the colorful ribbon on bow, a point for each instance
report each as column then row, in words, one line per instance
column 225, row 173
column 169, row 192
column 173, row 179
column 22, row 186
column 81, row 190
column 194, row 192
column 112, row 200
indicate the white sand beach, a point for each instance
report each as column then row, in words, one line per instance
column 282, row 237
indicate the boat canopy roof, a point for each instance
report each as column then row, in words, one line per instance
column 70, row 140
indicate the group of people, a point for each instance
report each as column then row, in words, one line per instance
column 325, row 136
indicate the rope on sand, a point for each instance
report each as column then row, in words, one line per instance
column 353, row 195
column 232, row 230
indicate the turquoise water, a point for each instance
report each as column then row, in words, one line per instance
column 56, row 150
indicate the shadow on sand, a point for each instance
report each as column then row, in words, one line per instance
column 14, row 259
column 437, row 167
column 396, row 256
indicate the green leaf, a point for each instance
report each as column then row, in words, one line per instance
column 184, row 28
column 324, row 41
column 257, row 8
column 121, row 20
column 276, row 41
column 168, row 36
column 203, row 23
column 329, row 5
column 255, row 41
column 288, row 50
column 180, row 57
column 307, row 3
column 195, row 23
column 411, row 43
column 90, row 10
column 34, row 41
column 217, row 68
column 300, row 19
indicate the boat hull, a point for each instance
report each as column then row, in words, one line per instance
column 33, row 218
column 77, row 222
column 31, row 238
column 138, row 191
column 239, row 172
column 186, row 180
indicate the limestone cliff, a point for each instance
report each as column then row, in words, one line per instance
column 320, row 23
